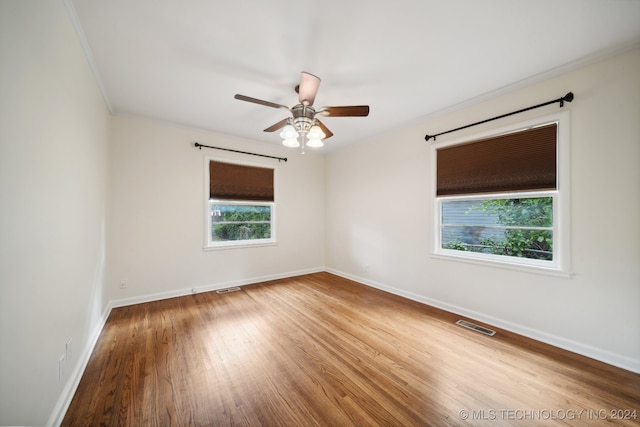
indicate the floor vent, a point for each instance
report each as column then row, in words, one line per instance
column 227, row 290
column 476, row 328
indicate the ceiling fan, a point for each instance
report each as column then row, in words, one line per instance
column 303, row 122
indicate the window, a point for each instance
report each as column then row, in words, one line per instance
column 502, row 198
column 511, row 225
column 240, row 208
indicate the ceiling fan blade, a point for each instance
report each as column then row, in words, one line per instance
column 345, row 111
column 277, row 126
column 260, row 101
column 308, row 88
column 325, row 129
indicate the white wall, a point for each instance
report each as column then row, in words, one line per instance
column 156, row 233
column 380, row 215
column 53, row 192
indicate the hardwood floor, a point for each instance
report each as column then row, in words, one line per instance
column 320, row 350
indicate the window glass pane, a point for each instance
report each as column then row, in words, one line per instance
column 240, row 222
column 518, row 227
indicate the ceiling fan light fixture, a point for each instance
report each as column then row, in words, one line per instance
column 302, row 128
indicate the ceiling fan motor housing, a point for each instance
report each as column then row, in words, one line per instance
column 303, row 117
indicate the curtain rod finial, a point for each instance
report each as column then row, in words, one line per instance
column 428, row 137
column 568, row 98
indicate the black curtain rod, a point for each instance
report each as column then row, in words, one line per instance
column 568, row 98
column 199, row 146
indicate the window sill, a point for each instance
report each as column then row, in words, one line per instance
column 505, row 265
column 238, row 246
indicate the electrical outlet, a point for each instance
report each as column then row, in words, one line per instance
column 62, row 362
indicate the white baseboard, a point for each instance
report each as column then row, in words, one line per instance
column 207, row 288
column 605, row 356
column 72, row 383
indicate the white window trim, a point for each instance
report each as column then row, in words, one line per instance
column 209, row 245
column 560, row 266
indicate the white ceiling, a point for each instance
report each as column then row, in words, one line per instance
column 183, row 61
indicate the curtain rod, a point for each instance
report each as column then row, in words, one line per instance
column 568, row 98
column 199, row 146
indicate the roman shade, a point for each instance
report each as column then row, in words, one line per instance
column 230, row 181
column 519, row 161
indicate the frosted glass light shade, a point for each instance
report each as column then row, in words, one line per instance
column 315, row 143
column 291, row 142
column 288, row 132
column 315, row 136
column 316, row 133
column 290, row 136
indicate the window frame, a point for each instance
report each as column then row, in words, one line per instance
column 209, row 244
column 560, row 265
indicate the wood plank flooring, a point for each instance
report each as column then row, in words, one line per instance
column 320, row 350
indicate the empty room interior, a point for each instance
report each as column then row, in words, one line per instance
column 320, row 213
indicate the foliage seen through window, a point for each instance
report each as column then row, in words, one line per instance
column 230, row 221
column 519, row 227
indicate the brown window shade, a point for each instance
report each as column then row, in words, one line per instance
column 231, row 181
column 519, row 161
